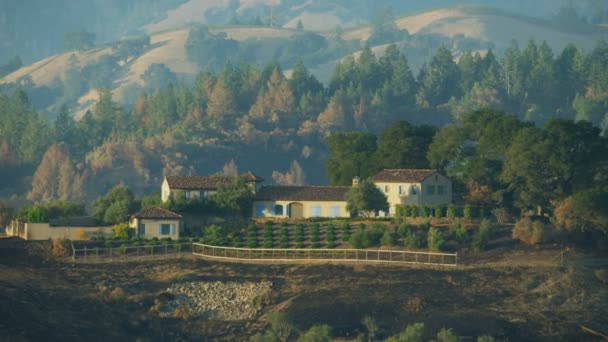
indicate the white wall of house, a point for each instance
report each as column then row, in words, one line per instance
column 149, row 228
column 436, row 189
column 280, row 209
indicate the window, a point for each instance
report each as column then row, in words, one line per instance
column 278, row 210
column 401, row 189
column 440, row 189
column 334, row 211
column 259, row 209
column 315, row 211
column 187, row 195
column 414, row 190
column 164, row 229
column 386, row 189
column 430, row 190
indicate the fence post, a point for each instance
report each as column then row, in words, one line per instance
column 110, row 253
column 225, row 252
column 85, row 253
column 366, row 258
column 456, row 259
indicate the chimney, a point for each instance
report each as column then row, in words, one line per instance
column 355, row 181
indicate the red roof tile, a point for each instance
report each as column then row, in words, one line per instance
column 403, row 175
column 302, row 193
column 156, row 213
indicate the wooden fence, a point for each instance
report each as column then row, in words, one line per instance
column 130, row 252
column 344, row 255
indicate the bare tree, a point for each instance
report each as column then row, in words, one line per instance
column 230, row 169
column 295, row 175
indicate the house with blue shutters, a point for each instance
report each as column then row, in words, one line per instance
column 279, row 201
column 156, row 222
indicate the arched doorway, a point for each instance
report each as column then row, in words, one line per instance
column 296, row 210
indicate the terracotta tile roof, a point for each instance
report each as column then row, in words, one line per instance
column 208, row 182
column 156, row 213
column 302, row 193
column 198, row 182
column 403, row 175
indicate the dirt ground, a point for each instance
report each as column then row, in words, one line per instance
column 519, row 294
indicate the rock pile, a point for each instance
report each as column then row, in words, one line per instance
column 230, row 301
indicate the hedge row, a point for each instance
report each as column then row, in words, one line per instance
column 467, row 212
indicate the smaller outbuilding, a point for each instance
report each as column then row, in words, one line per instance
column 156, row 222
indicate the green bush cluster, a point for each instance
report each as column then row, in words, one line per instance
column 451, row 211
column 299, row 237
column 331, row 236
column 314, row 236
column 268, row 235
column 252, row 236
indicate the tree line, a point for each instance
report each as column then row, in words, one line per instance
column 265, row 119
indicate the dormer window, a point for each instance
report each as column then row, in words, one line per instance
column 386, row 189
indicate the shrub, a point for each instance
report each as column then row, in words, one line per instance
column 375, row 233
column 182, row 312
column 331, row 236
column 411, row 240
column 501, row 215
column 318, row 333
column 426, row 211
column 284, row 237
column 485, row 338
column 530, row 232
column 387, row 239
column 345, row 232
column 121, row 230
column 360, row 238
column 299, row 238
column 108, row 244
column 117, row 294
column 459, row 231
column 438, row 211
column 214, row 235
column 414, row 211
column 412, row 333
column 467, row 212
column 268, row 236
column 451, row 211
column 601, row 275
column 60, row 248
column 435, row 239
column 446, row 335
column 252, row 236
column 314, row 236
column 426, row 225
column 237, row 241
column 403, row 229
column 482, row 236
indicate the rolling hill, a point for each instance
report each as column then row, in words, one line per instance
column 486, row 25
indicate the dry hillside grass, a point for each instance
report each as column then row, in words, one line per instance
column 50, row 69
column 512, row 294
column 497, row 28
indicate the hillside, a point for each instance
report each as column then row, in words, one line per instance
column 462, row 27
column 489, row 25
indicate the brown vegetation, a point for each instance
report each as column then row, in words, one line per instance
column 531, row 232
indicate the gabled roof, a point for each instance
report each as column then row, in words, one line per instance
column 208, row 182
column 156, row 213
column 403, row 175
column 198, row 182
column 301, row 193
